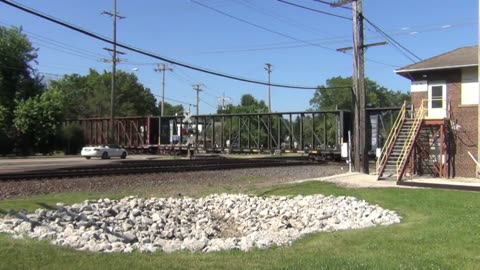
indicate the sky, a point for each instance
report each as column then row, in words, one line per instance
column 238, row 37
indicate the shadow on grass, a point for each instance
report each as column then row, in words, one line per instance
column 46, row 206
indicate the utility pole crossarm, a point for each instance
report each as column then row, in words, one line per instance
column 366, row 46
column 341, row 3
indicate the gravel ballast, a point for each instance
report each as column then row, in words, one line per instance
column 213, row 223
column 170, row 184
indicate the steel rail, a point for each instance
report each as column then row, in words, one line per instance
column 144, row 167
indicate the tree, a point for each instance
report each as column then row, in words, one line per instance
column 248, row 104
column 89, row 95
column 39, row 119
column 18, row 82
column 341, row 98
column 239, row 126
column 170, row 110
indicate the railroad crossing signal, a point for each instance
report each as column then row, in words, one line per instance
column 187, row 116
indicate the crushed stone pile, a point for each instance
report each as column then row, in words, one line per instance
column 213, row 223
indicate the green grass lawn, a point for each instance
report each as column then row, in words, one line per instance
column 440, row 230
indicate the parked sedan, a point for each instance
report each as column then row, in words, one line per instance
column 103, row 151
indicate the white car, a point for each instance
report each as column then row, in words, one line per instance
column 104, row 151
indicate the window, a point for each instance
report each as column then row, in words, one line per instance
column 470, row 90
column 437, row 97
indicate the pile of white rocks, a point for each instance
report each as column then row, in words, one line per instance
column 213, row 223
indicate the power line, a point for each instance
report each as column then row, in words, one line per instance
column 143, row 52
column 330, row 4
column 175, row 100
column 395, row 44
column 185, row 78
column 261, row 27
column 56, row 42
column 63, row 49
column 371, row 60
column 66, row 52
column 315, row 10
column 389, row 38
column 208, row 103
column 283, row 19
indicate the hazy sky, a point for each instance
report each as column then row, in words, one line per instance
column 240, row 37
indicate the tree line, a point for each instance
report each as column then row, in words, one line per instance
column 32, row 111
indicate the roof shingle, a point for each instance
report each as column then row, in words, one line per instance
column 462, row 57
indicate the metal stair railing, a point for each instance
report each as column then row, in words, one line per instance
column 389, row 143
column 409, row 142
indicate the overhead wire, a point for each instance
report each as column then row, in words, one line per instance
column 260, row 27
column 70, row 49
column 391, row 39
column 283, row 19
column 207, row 103
column 144, row 52
column 175, row 100
column 315, row 10
column 387, row 37
column 367, row 59
column 331, row 5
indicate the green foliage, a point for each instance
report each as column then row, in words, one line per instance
column 238, row 131
column 39, row 118
column 18, row 82
column 6, row 141
column 16, row 79
column 171, row 110
column 90, row 95
column 341, row 98
column 248, row 104
column 72, row 139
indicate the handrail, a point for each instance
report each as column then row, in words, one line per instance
column 391, row 136
column 409, row 140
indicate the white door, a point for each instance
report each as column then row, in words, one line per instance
column 437, row 99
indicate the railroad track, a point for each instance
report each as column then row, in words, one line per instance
column 153, row 166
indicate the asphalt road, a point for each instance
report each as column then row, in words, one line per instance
column 44, row 163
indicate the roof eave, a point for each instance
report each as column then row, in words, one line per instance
column 400, row 71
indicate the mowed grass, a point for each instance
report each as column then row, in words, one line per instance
column 440, row 230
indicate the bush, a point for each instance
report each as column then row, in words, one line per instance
column 73, row 139
column 6, row 144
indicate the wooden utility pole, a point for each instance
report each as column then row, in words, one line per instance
column 359, row 91
column 162, row 68
column 114, row 60
column 268, row 68
column 196, row 87
column 358, row 13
